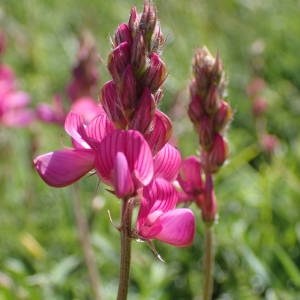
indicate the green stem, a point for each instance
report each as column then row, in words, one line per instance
column 127, row 208
column 208, row 263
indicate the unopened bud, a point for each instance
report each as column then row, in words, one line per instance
column 195, row 110
column 269, row 143
column 133, row 21
column 148, row 22
column 212, row 100
column 128, row 91
column 118, row 60
column 156, row 73
column 111, row 104
column 138, row 54
column 216, row 156
column 144, row 113
column 259, row 106
column 122, row 34
column 223, row 116
column 206, row 133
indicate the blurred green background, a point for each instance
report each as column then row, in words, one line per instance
column 258, row 233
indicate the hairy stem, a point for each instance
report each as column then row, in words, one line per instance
column 127, row 208
column 85, row 243
column 208, row 263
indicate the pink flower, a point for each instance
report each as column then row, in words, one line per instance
column 191, row 181
column 124, row 161
column 14, row 111
column 158, row 217
column 63, row 167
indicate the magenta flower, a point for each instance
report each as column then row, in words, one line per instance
column 191, row 181
column 158, row 217
column 14, row 111
column 63, row 167
column 124, row 161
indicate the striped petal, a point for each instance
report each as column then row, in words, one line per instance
column 161, row 132
column 136, row 150
column 158, row 197
column 97, row 129
column 177, row 227
column 74, row 124
column 167, row 163
column 63, row 167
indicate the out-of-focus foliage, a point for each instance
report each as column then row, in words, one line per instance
column 258, row 235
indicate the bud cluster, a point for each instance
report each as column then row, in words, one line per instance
column 208, row 110
column 130, row 99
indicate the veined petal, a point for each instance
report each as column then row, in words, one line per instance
column 178, row 227
column 63, row 167
column 167, row 163
column 161, row 132
column 73, row 125
column 161, row 195
column 136, row 151
column 122, row 178
column 97, row 129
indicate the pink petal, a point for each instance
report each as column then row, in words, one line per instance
column 167, row 163
column 161, row 195
column 15, row 100
column 74, row 125
column 136, row 151
column 161, row 133
column 143, row 115
column 63, row 167
column 97, row 129
column 178, row 227
column 189, row 176
column 18, row 118
column 122, row 178
column 87, row 108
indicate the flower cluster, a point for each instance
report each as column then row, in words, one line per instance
column 14, row 111
column 126, row 140
column 210, row 114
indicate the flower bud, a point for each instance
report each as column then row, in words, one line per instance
column 206, row 134
column 127, row 91
column 138, row 54
column 144, row 113
column 259, row 106
column 195, row 110
column 133, row 21
column 148, row 22
column 156, row 73
column 118, row 60
column 222, row 117
column 122, row 34
column 216, row 156
column 212, row 100
column 111, row 104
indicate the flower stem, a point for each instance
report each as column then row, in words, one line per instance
column 128, row 205
column 208, row 262
column 85, row 242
